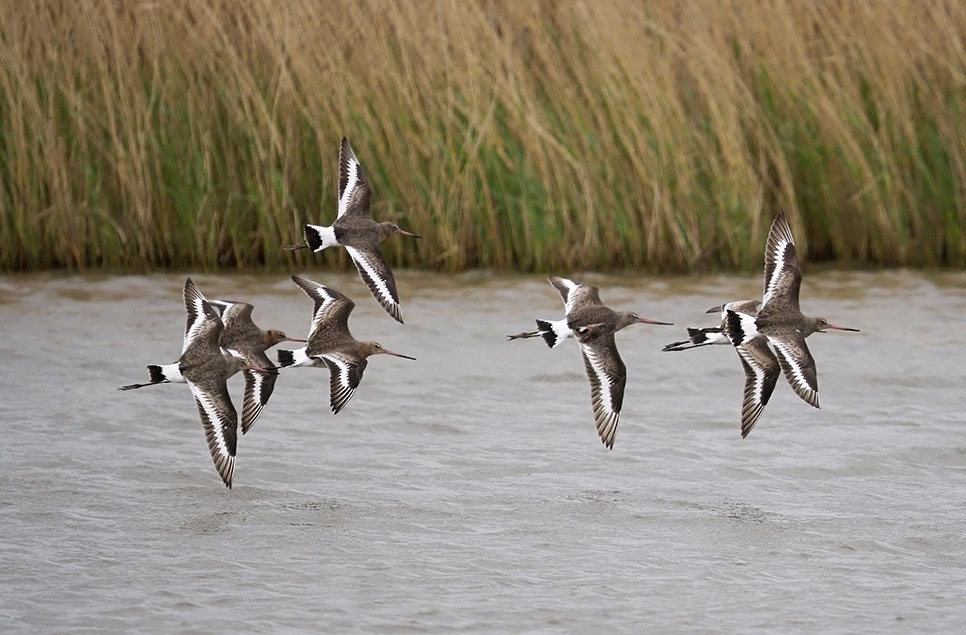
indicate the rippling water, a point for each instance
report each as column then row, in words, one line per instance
column 467, row 491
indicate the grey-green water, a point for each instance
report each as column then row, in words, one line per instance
column 467, row 491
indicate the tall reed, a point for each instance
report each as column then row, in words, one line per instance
column 533, row 135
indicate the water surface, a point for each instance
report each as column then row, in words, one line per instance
column 467, row 491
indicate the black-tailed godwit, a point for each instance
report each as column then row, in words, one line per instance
column 779, row 322
column 206, row 366
column 593, row 325
column 331, row 344
column 355, row 229
column 712, row 335
column 242, row 337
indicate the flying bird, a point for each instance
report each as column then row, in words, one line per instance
column 206, row 366
column 713, row 335
column 780, row 323
column 243, row 338
column 355, row 229
column 331, row 344
column 593, row 325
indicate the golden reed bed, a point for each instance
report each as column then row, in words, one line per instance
column 532, row 135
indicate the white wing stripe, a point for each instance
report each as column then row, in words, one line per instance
column 605, row 381
column 213, row 416
column 759, row 384
column 197, row 327
column 343, row 369
column 377, row 279
column 319, row 294
column 793, row 363
column 318, row 319
column 571, row 286
column 776, row 275
column 256, row 387
column 340, row 395
column 226, row 309
column 223, row 459
column 351, row 182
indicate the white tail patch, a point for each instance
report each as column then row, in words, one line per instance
column 172, row 373
column 320, row 237
column 554, row 332
column 707, row 336
column 741, row 327
column 297, row 357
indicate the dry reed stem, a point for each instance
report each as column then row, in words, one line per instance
column 537, row 135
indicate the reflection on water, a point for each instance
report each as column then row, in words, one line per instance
column 468, row 490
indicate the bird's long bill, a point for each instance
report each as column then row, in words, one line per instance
column 405, row 233
column 647, row 321
column 843, row 328
column 266, row 371
column 388, row 352
column 716, row 309
column 294, row 339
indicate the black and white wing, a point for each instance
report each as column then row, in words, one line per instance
column 607, row 375
column 354, row 191
column 331, row 307
column 258, row 389
column 783, row 275
column 575, row 293
column 761, row 374
column 220, row 421
column 344, row 377
column 232, row 313
column 798, row 365
column 377, row 275
column 203, row 326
